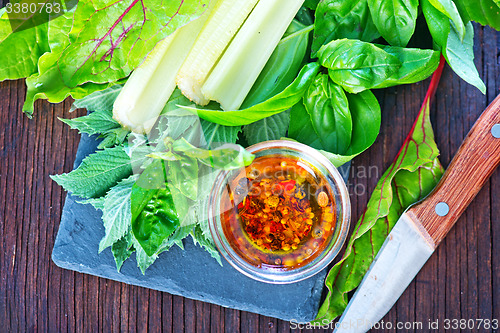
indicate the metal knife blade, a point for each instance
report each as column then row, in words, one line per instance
column 404, row 252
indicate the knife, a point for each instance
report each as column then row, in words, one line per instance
column 424, row 225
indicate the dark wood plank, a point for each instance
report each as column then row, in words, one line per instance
column 461, row 280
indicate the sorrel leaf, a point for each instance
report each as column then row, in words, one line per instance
column 413, row 174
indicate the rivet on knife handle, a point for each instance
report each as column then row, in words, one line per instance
column 475, row 161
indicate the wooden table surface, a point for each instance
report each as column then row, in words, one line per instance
column 460, row 281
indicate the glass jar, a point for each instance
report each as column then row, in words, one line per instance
column 285, row 217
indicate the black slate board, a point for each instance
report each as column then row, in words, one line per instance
column 191, row 273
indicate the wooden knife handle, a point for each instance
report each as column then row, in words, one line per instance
column 475, row 161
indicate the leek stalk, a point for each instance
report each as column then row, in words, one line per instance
column 149, row 87
column 246, row 56
column 223, row 23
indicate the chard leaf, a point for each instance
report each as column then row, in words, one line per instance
column 109, row 39
column 270, row 128
column 417, row 65
column 99, row 100
column 327, row 106
column 122, row 250
column 21, row 48
column 357, row 65
column 336, row 19
column 414, row 173
column 395, row 19
column 276, row 104
column 98, row 172
column 116, row 214
column 485, row 12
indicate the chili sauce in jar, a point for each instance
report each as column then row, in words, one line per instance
column 279, row 212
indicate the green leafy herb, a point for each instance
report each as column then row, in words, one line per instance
column 328, row 109
column 485, row 12
column 270, row 128
column 356, row 65
column 116, row 214
column 395, row 19
column 413, row 174
column 98, row 172
column 99, row 100
column 336, row 19
column 458, row 52
column 366, row 120
column 417, row 65
column 122, row 250
column 276, row 104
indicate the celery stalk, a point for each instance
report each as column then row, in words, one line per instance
column 222, row 25
column 238, row 69
column 149, row 87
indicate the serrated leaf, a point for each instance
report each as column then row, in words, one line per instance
column 98, row 122
column 206, row 243
column 270, row 128
column 116, row 213
column 98, row 172
column 142, row 259
column 122, row 250
column 100, row 100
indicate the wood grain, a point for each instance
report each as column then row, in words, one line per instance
column 476, row 159
column 460, row 281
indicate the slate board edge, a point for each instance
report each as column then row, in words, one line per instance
column 83, row 150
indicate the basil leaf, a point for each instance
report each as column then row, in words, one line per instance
column 154, row 216
column 301, row 128
column 283, row 65
column 395, row 19
column 328, row 109
column 458, row 53
column 417, row 65
column 337, row 19
column 366, row 119
column 276, row 104
column 413, row 174
column 356, row 65
column 485, row 12
column 311, row 4
column 460, row 56
column 448, row 8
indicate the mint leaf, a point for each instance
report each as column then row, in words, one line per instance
column 270, row 128
column 122, row 250
column 100, row 123
column 206, row 243
column 116, row 213
column 142, row 258
column 98, row 172
column 99, row 100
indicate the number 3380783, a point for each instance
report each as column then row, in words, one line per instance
column 33, row 8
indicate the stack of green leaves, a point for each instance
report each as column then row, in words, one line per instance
column 152, row 190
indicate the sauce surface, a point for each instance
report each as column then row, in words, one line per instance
column 279, row 213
